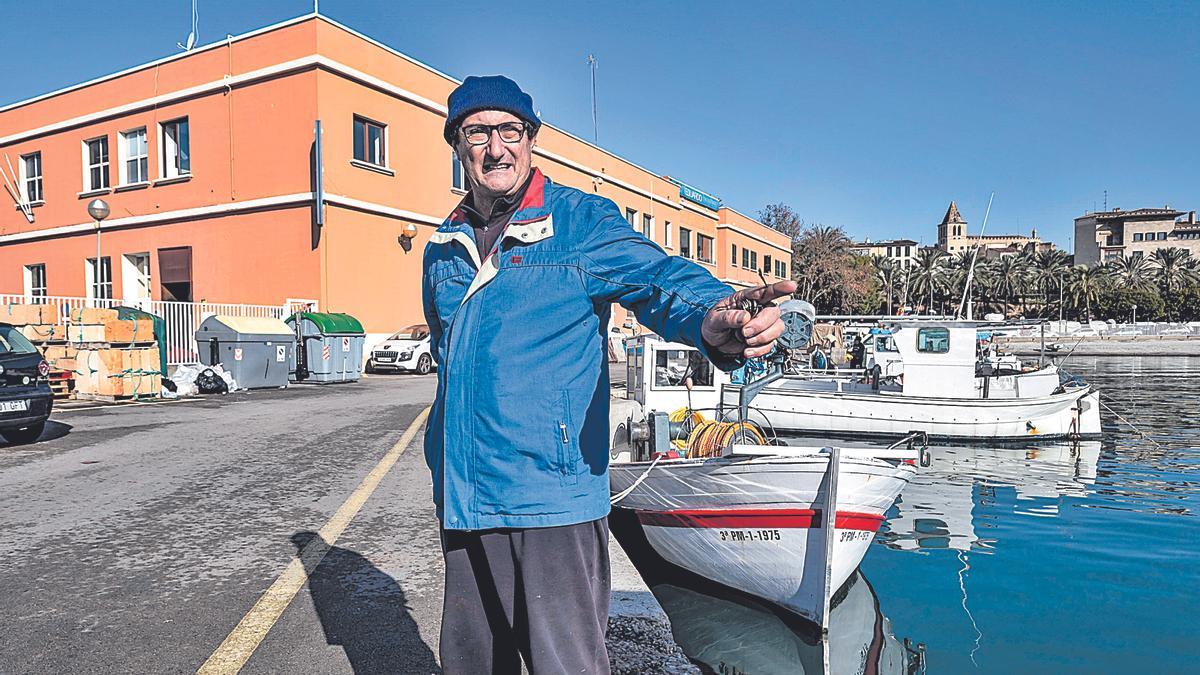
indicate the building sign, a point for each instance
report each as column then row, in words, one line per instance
column 696, row 196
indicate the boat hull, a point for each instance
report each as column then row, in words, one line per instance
column 757, row 524
column 793, row 409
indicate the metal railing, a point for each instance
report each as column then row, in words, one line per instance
column 182, row 318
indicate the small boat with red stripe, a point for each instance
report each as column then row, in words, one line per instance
column 757, row 519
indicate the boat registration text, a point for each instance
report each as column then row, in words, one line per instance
column 749, row 535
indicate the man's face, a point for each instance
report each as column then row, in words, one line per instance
column 496, row 168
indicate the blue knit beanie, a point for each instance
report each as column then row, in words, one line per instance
column 491, row 92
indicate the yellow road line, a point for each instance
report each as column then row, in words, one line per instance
column 233, row 653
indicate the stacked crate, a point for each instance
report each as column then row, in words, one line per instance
column 114, row 358
column 92, row 353
column 42, row 325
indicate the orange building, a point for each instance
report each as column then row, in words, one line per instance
column 209, row 161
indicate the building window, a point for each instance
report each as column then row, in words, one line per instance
column 369, row 142
column 31, row 177
column 631, row 218
column 647, row 226
column 458, row 175
column 1137, row 255
column 889, row 254
column 704, row 248
column 781, row 269
column 95, row 164
column 1162, row 236
column 733, row 255
column 35, row 283
column 176, row 149
column 767, row 264
column 1137, row 236
column 134, row 157
column 99, row 280
column 907, row 251
column 746, row 259
column 667, row 233
column 685, row 242
column 753, row 260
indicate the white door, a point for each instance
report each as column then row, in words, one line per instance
column 135, row 273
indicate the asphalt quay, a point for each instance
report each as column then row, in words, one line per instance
column 258, row 532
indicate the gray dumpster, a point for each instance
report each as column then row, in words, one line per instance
column 256, row 351
column 332, row 348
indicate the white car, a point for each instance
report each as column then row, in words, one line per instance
column 407, row 350
column 1176, row 330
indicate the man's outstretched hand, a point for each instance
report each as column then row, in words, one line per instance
column 730, row 329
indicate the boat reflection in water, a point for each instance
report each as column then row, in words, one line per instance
column 725, row 631
column 938, row 509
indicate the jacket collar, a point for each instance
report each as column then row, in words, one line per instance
column 530, row 223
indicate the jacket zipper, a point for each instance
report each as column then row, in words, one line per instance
column 563, row 428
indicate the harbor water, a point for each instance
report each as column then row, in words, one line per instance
column 1039, row 558
column 1059, row 558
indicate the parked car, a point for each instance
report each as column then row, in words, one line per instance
column 407, row 350
column 1125, row 331
column 25, row 397
column 1176, row 330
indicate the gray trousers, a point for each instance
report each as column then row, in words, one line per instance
column 538, row 594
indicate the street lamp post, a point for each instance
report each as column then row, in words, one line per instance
column 98, row 210
column 1135, row 317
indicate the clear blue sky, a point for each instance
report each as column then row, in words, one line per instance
column 871, row 116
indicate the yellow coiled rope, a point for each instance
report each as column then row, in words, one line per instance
column 709, row 438
column 693, row 420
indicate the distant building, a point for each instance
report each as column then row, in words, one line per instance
column 952, row 238
column 1111, row 235
column 903, row 251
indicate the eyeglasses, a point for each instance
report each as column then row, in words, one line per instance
column 480, row 134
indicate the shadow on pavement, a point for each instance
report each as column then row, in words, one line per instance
column 52, row 431
column 364, row 610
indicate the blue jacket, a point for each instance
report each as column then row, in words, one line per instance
column 518, row 433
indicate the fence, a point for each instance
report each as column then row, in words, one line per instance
column 182, row 318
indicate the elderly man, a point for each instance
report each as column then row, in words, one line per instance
column 518, row 287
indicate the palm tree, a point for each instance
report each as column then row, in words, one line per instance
column 928, row 272
column 887, row 271
column 1011, row 273
column 1134, row 272
column 1175, row 269
column 1084, row 287
column 1049, row 269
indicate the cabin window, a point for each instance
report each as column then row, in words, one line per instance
column 935, row 340
column 673, row 366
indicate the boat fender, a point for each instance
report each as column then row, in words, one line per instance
column 926, row 458
column 875, row 373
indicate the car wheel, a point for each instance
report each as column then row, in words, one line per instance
column 369, row 369
column 424, row 364
column 22, row 436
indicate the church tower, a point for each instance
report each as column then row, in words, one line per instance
column 952, row 231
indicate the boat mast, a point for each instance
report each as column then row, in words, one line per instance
column 974, row 257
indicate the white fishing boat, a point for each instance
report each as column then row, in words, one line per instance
column 788, row 524
column 730, row 631
column 927, row 376
column 759, row 522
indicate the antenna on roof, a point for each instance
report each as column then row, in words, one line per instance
column 191, row 38
column 591, row 59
